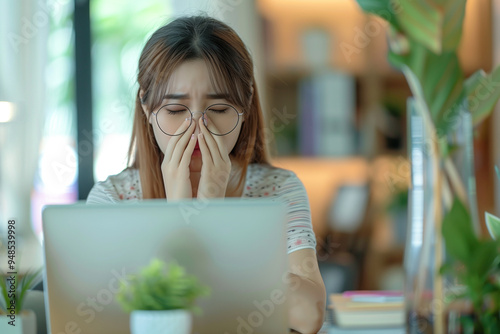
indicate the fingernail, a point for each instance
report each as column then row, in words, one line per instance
column 200, row 136
column 192, row 136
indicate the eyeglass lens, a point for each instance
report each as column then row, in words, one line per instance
column 222, row 118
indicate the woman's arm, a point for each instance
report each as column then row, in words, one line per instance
column 307, row 294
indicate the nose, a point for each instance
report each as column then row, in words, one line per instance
column 196, row 118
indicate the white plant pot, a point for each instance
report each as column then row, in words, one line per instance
column 164, row 322
column 25, row 323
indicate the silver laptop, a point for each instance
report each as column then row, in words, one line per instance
column 236, row 247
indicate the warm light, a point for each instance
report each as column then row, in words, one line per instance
column 6, row 111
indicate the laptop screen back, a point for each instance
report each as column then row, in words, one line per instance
column 236, row 247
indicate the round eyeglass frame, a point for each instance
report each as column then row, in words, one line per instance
column 202, row 115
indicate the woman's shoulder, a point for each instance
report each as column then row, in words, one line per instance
column 267, row 170
column 129, row 174
column 122, row 186
column 267, row 180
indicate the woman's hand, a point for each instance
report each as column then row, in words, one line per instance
column 175, row 164
column 216, row 167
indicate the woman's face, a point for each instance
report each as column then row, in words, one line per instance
column 190, row 85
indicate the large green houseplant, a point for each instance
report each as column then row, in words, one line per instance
column 423, row 37
column 161, row 298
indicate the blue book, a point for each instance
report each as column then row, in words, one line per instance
column 307, row 126
column 332, row 329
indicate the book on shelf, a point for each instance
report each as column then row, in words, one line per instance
column 367, row 309
column 327, row 105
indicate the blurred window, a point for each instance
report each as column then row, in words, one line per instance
column 55, row 179
column 119, row 31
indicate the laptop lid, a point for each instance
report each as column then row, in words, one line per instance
column 236, row 247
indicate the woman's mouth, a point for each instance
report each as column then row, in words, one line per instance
column 196, row 151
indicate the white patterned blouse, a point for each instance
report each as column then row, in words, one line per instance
column 261, row 181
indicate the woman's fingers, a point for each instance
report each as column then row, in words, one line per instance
column 216, row 166
column 214, row 143
column 175, row 165
column 186, row 157
column 206, row 155
column 177, row 144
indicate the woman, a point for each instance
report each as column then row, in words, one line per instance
column 199, row 133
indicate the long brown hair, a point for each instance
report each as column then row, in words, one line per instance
column 231, row 68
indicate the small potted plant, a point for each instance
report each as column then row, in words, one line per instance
column 161, row 299
column 14, row 319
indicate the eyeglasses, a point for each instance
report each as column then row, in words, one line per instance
column 223, row 117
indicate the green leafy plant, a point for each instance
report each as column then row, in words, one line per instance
column 424, row 37
column 14, row 288
column 475, row 264
column 161, row 287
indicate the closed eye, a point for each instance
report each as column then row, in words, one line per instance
column 218, row 111
column 175, row 111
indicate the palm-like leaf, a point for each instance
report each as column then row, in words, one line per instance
column 433, row 29
column 381, row 8
column 436, row 80
column 454, row 13
column 482, row 91
column 21, row 286
column 436, row 25
column 493, row 224
column 422, row 21
column 26, row 284
column 441, row 79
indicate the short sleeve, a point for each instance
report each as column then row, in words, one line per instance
column 122, row 187
column 300, row 234
column 102, row 193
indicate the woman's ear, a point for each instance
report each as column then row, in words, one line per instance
column 143, row 105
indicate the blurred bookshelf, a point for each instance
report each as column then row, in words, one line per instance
column 347, row 124
column 337, row 114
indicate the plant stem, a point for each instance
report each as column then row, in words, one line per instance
column 447, row 195
column 456, row 181
column 437, row 171
column 438, row 255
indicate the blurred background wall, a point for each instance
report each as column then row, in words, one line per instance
column 335, row 112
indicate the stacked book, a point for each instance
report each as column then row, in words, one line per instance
column 367, row 312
